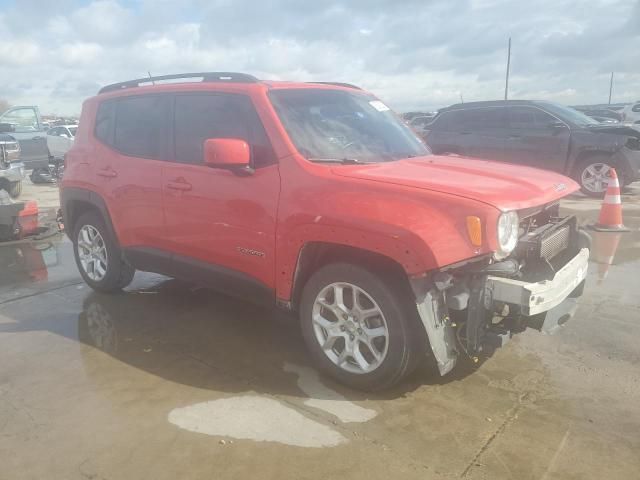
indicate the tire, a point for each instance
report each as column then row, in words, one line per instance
column 109, row 274
column 585, row 170
column 15, row 189
column 399, row 352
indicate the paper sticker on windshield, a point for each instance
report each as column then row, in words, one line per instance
column 378, row 105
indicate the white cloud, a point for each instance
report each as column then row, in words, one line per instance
column 104, row 21
column 79, row 54
column 413, row 54
column 18, row 53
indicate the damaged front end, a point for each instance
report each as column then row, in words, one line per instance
column 474, row 308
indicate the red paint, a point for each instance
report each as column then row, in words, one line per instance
column 230, row 152
column 413, row 211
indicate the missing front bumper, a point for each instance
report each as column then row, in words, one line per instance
column 538, row 297
column 544, row 305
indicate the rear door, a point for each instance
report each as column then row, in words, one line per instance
column 31, row 135
column 134, row 141
column 537, row 138
column 482, row 132
column 219, row 222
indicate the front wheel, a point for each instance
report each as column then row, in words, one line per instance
column 594, row 175
column 360, row 329
column 98, row 255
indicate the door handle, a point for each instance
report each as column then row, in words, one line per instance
column 107, row 173
column 465, row 133
column 179, row 184
column 39, row 137
column 515, row 136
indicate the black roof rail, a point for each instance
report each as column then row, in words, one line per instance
column 339, row 84
column 206, row 77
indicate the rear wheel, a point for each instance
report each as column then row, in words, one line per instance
column 98, row 255
column 360, row 329
column 593, row 175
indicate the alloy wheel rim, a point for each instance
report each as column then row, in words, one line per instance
column 350, row 328
column 596, row 176
column 92, row 253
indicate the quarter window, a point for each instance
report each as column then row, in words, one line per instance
column 104, row 122
column 203, row 116
column 478, row 119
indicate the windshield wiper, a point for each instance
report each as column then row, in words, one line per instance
column 342, row 161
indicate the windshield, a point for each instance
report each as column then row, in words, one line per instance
column 340, row 125
column 570, row 114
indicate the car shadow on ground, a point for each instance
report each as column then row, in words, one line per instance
column 196, row 337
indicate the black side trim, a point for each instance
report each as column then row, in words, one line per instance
column 225, row 280
column 70, row 197
column 149, row 260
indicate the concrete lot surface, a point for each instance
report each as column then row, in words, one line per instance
column 46, row 194
column 169, row 381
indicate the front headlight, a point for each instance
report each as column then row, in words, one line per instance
column 508, row 224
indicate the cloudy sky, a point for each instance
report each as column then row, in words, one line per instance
column 415, row 54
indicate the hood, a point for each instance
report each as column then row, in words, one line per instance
column 502, row 185
column 616, row 129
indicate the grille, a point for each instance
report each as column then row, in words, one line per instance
column 555, row 242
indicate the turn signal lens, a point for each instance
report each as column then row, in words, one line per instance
column 474, row 228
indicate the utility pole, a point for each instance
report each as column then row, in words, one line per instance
column 506, row 83
column 610, row 88
column 461, row 99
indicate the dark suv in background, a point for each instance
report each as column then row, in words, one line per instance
column 539, row 134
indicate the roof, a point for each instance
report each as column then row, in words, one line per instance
column 490, row 103
column 227, row 78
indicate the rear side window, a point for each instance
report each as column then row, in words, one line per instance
column 141, row 127
column 104, row 122
column 476, row 119
column 199, row 117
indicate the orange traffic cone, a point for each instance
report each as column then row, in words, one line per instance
column 610, row 219
column 604, row 249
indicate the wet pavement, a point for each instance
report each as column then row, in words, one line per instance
column 169, row 381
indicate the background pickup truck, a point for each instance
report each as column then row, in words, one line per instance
column 11, row 170
column 27, row 127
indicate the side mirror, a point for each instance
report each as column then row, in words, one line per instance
column 64, row 135
column 558, row 125
column 7, row 128
column 226, row 153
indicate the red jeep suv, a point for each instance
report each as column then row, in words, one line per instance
column 316, row 198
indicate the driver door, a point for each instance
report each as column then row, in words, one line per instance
column 30, row 134
column 537, row 139
column 220, row 223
